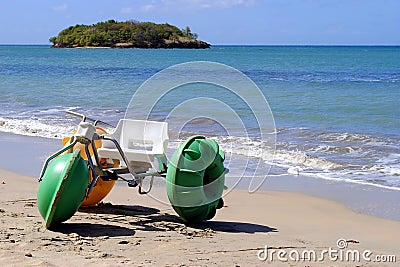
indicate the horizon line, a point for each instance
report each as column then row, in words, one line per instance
column 49, row 44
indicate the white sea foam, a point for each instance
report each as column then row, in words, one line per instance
column 34, row 128
column 358, row 159
column 348, row 180
column 314, row 160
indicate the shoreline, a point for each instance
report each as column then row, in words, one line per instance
column 138, row 230
column 26, row 155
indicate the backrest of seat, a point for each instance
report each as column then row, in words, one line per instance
column 151, row 136
column 114, row 135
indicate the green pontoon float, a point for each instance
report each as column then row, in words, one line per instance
column 86, row 168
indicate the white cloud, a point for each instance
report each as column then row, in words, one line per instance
column 126, row 10
column 195, row 5
column 227, row 3
column 63, row 7
column 148, row 7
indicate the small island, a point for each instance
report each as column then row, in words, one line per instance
column 129, row 34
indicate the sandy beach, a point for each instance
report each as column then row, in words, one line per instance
column 129, row 229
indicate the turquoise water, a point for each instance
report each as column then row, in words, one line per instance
column 336, row 109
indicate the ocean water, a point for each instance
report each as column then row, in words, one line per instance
column 336, row 109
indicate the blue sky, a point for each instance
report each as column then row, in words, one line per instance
column 288, row 22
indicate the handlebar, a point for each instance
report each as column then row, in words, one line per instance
column 84, row 118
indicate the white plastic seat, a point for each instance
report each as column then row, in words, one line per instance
column 141, row 141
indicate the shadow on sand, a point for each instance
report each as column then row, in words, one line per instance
column 235, row 227
column 131, row 218
column 93, row 229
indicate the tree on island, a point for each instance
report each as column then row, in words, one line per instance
column 188, row 33
column 127, row 34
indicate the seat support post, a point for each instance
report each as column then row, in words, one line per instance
column 128, row 165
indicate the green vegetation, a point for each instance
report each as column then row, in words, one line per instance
column 127, row 34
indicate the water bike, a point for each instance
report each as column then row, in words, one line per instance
column 85, row 170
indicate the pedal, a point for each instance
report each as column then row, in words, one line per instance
column 132, row 183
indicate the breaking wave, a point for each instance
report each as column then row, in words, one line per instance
column 347, row 157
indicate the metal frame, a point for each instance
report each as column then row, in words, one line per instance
column 95, row 169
